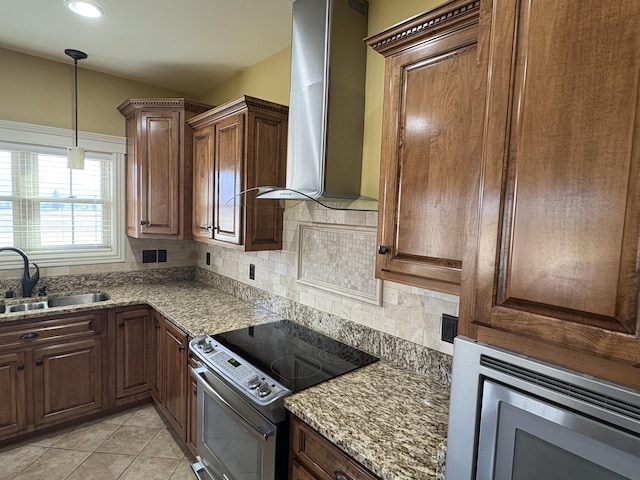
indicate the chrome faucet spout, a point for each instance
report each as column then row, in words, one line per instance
column 28, row 282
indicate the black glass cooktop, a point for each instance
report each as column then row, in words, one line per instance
column 292, row 354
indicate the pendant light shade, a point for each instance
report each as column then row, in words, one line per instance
column 75, row 154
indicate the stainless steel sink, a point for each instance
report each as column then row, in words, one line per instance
column 23, row 307
column 57, row 301
column 82, row 299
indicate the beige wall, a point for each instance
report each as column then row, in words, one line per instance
column 268, row 80
column 39, row 91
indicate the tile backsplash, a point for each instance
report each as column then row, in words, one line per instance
column 338, row 259
column 406, row 312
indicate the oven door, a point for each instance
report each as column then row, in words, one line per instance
column 235, row 442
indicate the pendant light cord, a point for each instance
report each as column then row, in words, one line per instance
column 75, row 83
column 76, row 55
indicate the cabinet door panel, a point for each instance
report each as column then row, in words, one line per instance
column 67, row 380
column 560, row 205
column 429, row 159
column 203, row 183
column 228, row 173
column 264, row 217
column 157, row 365
column 175, row 387
column 12, row 386
column 160, row 172
column 132, row 338
column 133, row 187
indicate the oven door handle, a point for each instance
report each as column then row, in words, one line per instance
column 264, row 431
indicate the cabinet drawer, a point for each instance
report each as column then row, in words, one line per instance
column 320, row 457
column 37, row 332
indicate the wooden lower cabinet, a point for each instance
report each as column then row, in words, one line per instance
column 55, row 370
column 171, row 375
column 51, row 371
column 134, row 359
column 67, row 380
column 313, row 457
column 12, row 385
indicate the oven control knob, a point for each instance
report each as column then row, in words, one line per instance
column 264, row 390
column 254, row 383
column 208, row 348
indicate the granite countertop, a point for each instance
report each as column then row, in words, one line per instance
column 392, row 421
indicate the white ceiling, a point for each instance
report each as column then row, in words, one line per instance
column 186, row 45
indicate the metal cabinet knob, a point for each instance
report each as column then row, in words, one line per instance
column 143, row 222
column 382, row 249
column 340, row 476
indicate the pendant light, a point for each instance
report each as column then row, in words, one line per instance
column 75, row 155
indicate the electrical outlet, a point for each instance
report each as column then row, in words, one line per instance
column 449, row 328
column 162, row 256
column 252, row 271
column 208, row 258
column 149, row 256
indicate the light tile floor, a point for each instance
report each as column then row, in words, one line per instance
column 132, row 445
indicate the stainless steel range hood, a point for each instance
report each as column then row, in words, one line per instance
column 326, row 103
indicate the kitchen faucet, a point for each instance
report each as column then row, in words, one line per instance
column 28, row 282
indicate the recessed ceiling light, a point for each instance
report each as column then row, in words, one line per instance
column 84, row 8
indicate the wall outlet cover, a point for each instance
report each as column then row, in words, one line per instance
column 149, row 256
column 162, row 255
column 208, row 260
column 449, row 328
column 252, row 271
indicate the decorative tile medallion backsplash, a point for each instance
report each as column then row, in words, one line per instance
column 340, row 260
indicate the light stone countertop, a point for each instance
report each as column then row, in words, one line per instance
column 392, row 421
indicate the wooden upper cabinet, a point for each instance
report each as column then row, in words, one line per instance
column 238, row 146
column 556, row 273
column 430, row 145
column 159, row 166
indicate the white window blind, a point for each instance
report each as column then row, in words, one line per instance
column 57, row 215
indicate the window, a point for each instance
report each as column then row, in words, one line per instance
column 57, row 215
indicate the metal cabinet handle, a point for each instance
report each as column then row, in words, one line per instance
column 340, row 476
column 38, row 363
column 382, row 250
column 29, row 336
column 20, row 367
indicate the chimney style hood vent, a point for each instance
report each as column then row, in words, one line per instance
column 326, row 103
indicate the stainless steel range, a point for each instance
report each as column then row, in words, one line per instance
column 243, row 377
